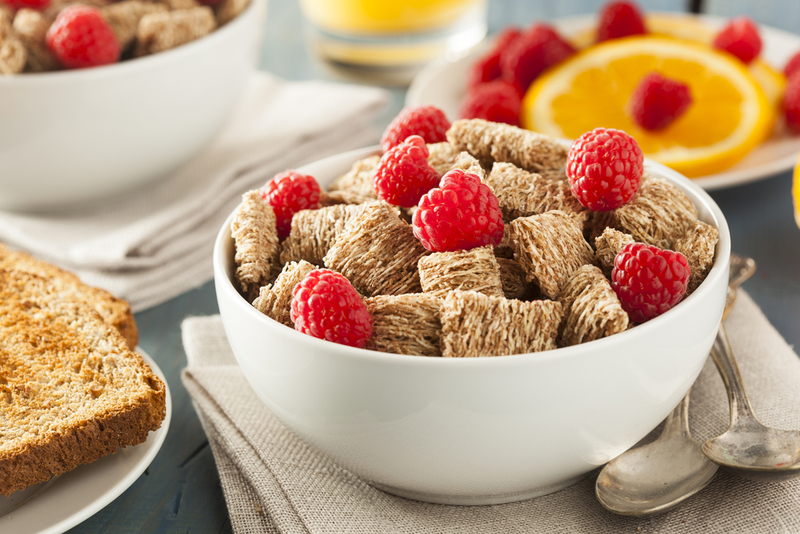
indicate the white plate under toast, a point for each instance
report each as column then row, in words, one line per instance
column 61, row 503
column 443, row 83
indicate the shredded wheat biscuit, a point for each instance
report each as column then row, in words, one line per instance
column 466, row 270
column 550, row 247
column 257, row 248
column 378, row 253
column 591, row 308
column 465, row 162
column 342, row 197
column 313, row 231
column 274, row 300
column 442, row 156
column 55, row 6
column 607, row 246
column 229, row 10
column 358, row 180
column 521, row 193
column 490, row 142
column 166, row 30
column 504, row 248
column 124, row 17
column 405, row 324
column 659, row 214
column 512, row 277
column 476, row 325
column 698, row 245
column 30, row 27
column 13, row 55
column 179, row 4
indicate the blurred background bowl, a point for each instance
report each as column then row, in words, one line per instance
column 476, row 430
column 69, row 138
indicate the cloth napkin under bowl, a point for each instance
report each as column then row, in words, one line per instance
column 274, row 482
column 156, row 243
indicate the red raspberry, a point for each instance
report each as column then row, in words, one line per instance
column 740, row 38
column 657, row 101
column 604, row 168
column 404, row 174
column 461, row 214
column 791, row 102
column 620, row 19
column 325, row 305
column 792, row 66
column 429, row 122
column 487, row 68
column 80, row 37
column 535, row 50
column 29, row 4
column 288, row 193
column 648, row 280
column 496, row 101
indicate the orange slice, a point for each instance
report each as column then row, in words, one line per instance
column 729, row 115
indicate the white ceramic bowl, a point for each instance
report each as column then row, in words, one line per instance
column 476, row 430
column 72, row 137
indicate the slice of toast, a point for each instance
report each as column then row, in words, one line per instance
column 114, row 311
column 70, row 389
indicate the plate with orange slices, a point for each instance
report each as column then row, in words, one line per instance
column 733, row 132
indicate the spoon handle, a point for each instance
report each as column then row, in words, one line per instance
column 726, row 364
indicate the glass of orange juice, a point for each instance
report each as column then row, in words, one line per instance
column 389, row 40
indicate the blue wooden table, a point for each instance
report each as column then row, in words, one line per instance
column 180, row 492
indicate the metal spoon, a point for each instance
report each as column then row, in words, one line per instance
column 748, row 448
column 658, row 476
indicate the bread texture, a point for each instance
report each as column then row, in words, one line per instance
column 70, row 389
column 114, row 311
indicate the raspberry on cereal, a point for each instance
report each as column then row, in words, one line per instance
column 428, row 122
column 29, row 4
column 288, row 193
column 496, row 101
column 649, row 280
column 620, row 19
column 404, row 174
column 326, row 306
column 657, row 101
column 80, row 38
column 462, row 213
column 739, row 37
column 487, row 67
column 791, row 102
column 604, row 168
column 535, row 50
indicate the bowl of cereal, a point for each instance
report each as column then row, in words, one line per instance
column 72, row 137
column 435, row 424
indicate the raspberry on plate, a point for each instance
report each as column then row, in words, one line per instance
column 791, row 102
column 487, row 67
column 497, row 101
column 461, row 214
column 326, row 305
column 80, row 38
column 289, row 192
column 404, row 174
column 604, row 168
column 739, row 37
column 534, row 51
column 657, row 101
column 428, row 122
column 649, row 280
column 620, row 19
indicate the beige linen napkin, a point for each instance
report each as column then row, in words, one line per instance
column 155, row 243
column 274, row 482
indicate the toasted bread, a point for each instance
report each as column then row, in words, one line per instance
column 71, row 391
column 114, row 311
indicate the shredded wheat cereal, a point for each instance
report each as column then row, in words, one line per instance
column 405, row 324
column 591, row 308
column 490, row 142
column 274, row 300
column 698, row 245
column 550, row 247
column 166, row 30
column 123, row 17
column 342, row 197
column 512, row 276
column 465, row 162
column 228, row 10
column 504, row 248
column 378, row 253
column 466, row 270
column 12, row 55
column 442, row 156
column 476, row 325
column 30, row 27
column 607, row 245
column 256, row 238
column 358, row 180
column 55, row 6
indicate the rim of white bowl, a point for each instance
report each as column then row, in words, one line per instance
column 135, row 64
column 719, row 270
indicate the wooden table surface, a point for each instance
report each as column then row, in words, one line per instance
column 180, row 491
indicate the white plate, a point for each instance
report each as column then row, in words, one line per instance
column 57, row 505
column 442, row 84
